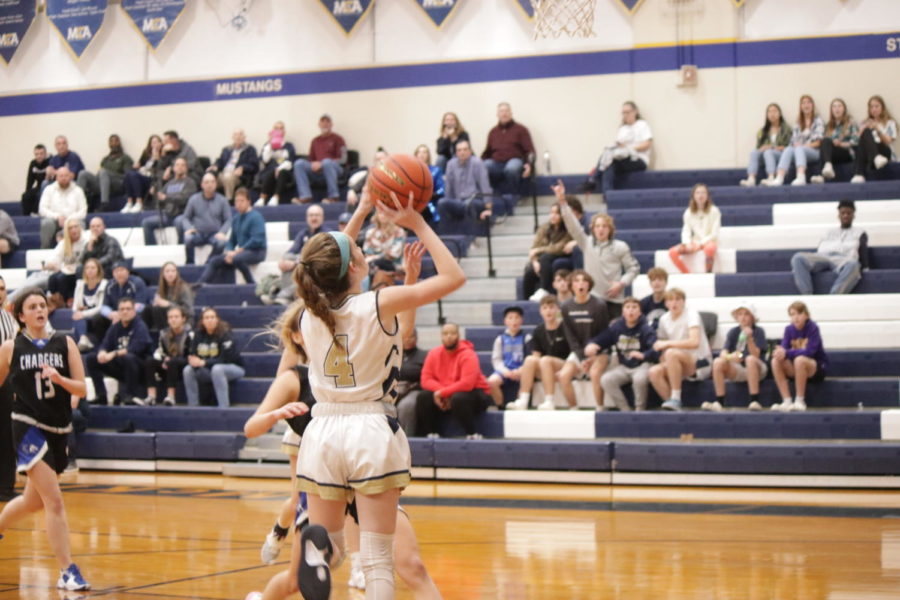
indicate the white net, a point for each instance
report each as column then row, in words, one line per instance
column 552, row 18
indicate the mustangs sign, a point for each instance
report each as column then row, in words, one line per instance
column 153, row 18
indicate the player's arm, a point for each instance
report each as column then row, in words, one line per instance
column 276, row 405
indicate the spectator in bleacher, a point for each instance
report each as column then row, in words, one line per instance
column 467, row 192
column 146, row 175
column 806, row 138
column 63, row 158
column 451, row 381
column 123, row 285
column 549, row 244
column 326, row 160
column 879, row 131
column 246, row 246
column 561, row 285
column 167, row 363
column 409, row 382
column 287, row 288
column 452, row 131
column 549, row 350
column 206, row 220
column 357, row 178
column 572, row 258
column 109, row 179
column 683, row 348
column 839, row 142
column 583, row 317
column 9, row 236
column 65, row 261
column 653, row 306
column 102, row 246
column 844, row 250
column 742, row 358
column 60, row 200
column 801, row 356
column 508, row 156
column 212, row 357
column 632, row 340
column 700, row 231
column 771, row 140
column 236, row 165
column 121, row 356
column 37, row 174
column 172, row 200
column 437, row 179
column 383, row 249
column 276, row 179
column 609, row 261
column 508, row 353
column 175, row 147
column 630, row 152
column 171, row 291
column 88, row 324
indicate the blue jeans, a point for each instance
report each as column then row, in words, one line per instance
column 800, row 155
column 136, row 185
column 151, row 224
column 220, row 375
column 770, row 158
column 331, row 170
column 509, row 173
column 804, row 264
column 242, row 261
column 457, row 217
column 192, row 240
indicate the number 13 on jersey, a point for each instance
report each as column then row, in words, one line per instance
column 337, row 362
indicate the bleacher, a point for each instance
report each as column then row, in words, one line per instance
column 847, row 431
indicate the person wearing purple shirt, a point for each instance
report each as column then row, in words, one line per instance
column 801, row 356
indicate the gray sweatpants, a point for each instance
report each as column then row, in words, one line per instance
column 639, row 378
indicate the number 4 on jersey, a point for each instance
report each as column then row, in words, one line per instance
column 337, row 362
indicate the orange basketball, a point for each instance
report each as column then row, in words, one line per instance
column 401, row 174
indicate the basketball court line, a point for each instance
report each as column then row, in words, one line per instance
column 126, row 590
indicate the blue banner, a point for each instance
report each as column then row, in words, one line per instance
column 437, row 10
column 78, row 21
column 631, row 6
column 526, row 7
column 16, row 17
column 153, row 18
column 347, row 13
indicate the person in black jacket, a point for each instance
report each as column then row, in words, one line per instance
column 408, row 385
column 122, row 353
column 37, row 174
column 213, row 356
column 167, row 363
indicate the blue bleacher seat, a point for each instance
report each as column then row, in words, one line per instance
column 199, row 446
column 883, row 281
column 118, row 446
column 541, row 455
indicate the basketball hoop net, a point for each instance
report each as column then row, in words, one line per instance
column 552, row 18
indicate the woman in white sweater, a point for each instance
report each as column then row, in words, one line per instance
column 700, row 232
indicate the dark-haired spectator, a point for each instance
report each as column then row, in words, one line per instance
column 741, row 359
column 212, row 357
column 573, row 258
column 9, row 237
column 206, row 220
column 102, row 246
column 437, row 179
column 549, row 350
column 549, row 244
column 88, row 323
column 245, row 247
column 172, row 199
column 166, row 364
column 357, row 178
column 61, row 200
column 508, row 155
column 174, row 146
column 452, row 131
column 630, row 152
column 146, row 175
column 63, row 158
column 468, row 193
column 843, row 250
column 653, row 306
column 121, row 355
column 327, row 157
column 66, row 259
column 123, row 285
column 37, row 174
column 8, row 330
column 806, row 137
column 879, row 131
column 561, row 286
column 508, row 353
column 800, row 356
column 771, row 140
column 110, row 179
column 287, row 288
column 839, row 142
column 276, row 180
column 451, row 381
column 409, row 382
column 171, row 291
column 700, row 230
column 236, row 165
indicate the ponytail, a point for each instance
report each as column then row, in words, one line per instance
column 320, row 283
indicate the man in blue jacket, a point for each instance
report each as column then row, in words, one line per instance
column 245, row 247
column 121, row 355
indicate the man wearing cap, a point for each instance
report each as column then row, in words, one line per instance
column 315, row 219
column 741, row 358
column 123, row 285
column 843, row 250
column 327, row 157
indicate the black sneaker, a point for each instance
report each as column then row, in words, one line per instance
column 314, row 574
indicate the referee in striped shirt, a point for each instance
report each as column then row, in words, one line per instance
column 8, row 330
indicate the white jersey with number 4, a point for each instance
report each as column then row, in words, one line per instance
column 361, row 362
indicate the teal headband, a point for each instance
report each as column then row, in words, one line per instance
column 343, row 242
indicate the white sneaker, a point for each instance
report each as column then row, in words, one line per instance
column 749, row 182
column 357, row 577
column 773, row 182
column 706, row 406
column 754, row 406
column 817, row 179
column 518, row 404
column 547, row 405
column 880, row 161
column 858, row 179
column 828, row 171
column 799, row 180
column 715, row 406
column 784, row 406
column 273, row 201
column 474, row 436
column 254, row 596
column 85, row 344
column 540, row 293
column 126, row 209
column 138, row 207
column 433, row 436
column 260, row 202
column 271, row 548
column 168, row 401
column 71, row 580
column 798, row 406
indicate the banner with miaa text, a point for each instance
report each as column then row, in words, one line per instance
column 347, row 13
column 438, row 10
column 153, row 18
column 77, row 21
column 16, row 17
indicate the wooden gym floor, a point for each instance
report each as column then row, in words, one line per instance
column 149, row 536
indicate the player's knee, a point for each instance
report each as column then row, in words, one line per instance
column 411, row 569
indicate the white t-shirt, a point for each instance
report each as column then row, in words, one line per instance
column 636, row 133
column 679, row 329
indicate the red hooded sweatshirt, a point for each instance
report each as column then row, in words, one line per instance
column 451, row 371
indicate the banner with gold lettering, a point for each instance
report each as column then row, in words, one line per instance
column 438, row 10
column 738, row 3
column 16, row 17
column 77, row 21
column 631, row 6
column 526, row 7
column 153, row 18
column 347, row 13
